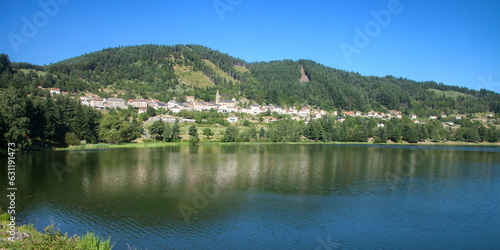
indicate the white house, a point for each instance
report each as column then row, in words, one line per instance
column 278, row 109
column 232, row 119
column 176, row 109
column 349, row 113
column 340, row 119
column 189, row 98
column 54, row 91
column 138, row 103
column 304, row 111
column 255, row 109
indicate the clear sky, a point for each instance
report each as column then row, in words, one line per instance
column 456, row 42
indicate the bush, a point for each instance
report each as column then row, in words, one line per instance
column 71, row 139
column 194, row 140
column 5, row 217
column 92, row 241
column 54, row 239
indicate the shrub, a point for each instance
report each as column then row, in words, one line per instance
column 71, row 139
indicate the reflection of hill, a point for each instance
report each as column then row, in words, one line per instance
column 125, row 184
column 274, row 168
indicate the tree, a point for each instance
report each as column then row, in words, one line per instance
column 250, row 134
column 143, row 117
column 151, row 111
column 193, row 133
column 393, row 131
column 16, row 121
column 410, row 134
column 175, row 136
column 483, row 133
column 167, row 131
column 194, row 140
column 4, row 63
column 381, row 136
column 262, row 133
column 156, row 129
column 472, row 135
column 112, row 136
column 246, row 123
column 231, row 134
column 71, row 139
column 208, row 132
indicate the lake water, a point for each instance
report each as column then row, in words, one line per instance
column 267, row 196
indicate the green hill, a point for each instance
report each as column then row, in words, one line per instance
column 162, row 72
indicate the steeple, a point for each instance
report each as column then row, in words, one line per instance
column 217, row 97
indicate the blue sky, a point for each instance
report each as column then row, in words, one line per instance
column 454, row 42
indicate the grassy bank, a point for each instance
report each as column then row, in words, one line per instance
column 27, row 237
column 185, row 143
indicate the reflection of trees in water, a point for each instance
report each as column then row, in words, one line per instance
column 295, row 169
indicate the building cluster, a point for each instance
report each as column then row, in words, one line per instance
column 221, row 106
column 230, row 106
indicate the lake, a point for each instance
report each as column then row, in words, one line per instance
column 278, row 196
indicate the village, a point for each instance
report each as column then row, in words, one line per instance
column 232, row 106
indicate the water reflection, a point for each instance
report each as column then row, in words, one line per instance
column 293, row 169
column 270, row 187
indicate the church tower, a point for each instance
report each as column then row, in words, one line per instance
column 217, row 97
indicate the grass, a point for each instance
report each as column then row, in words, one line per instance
column 241, row 69
column 450, row 93
column 50, row 239
column 39, row 73
column 214, row 142
column 218, row 71
column 192, row 78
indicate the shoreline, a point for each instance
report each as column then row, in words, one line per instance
column 169, row 144
column 25, row 236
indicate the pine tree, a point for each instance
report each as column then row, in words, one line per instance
column 193, row 131
column 175, row 136
column 262, row 133
column 410, row 134
column 167, row 131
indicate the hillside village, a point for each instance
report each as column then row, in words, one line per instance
column 232, row 106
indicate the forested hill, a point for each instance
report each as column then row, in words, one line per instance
column 278, row 82
column 164, row 72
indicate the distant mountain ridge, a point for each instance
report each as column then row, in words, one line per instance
column 163, row 72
